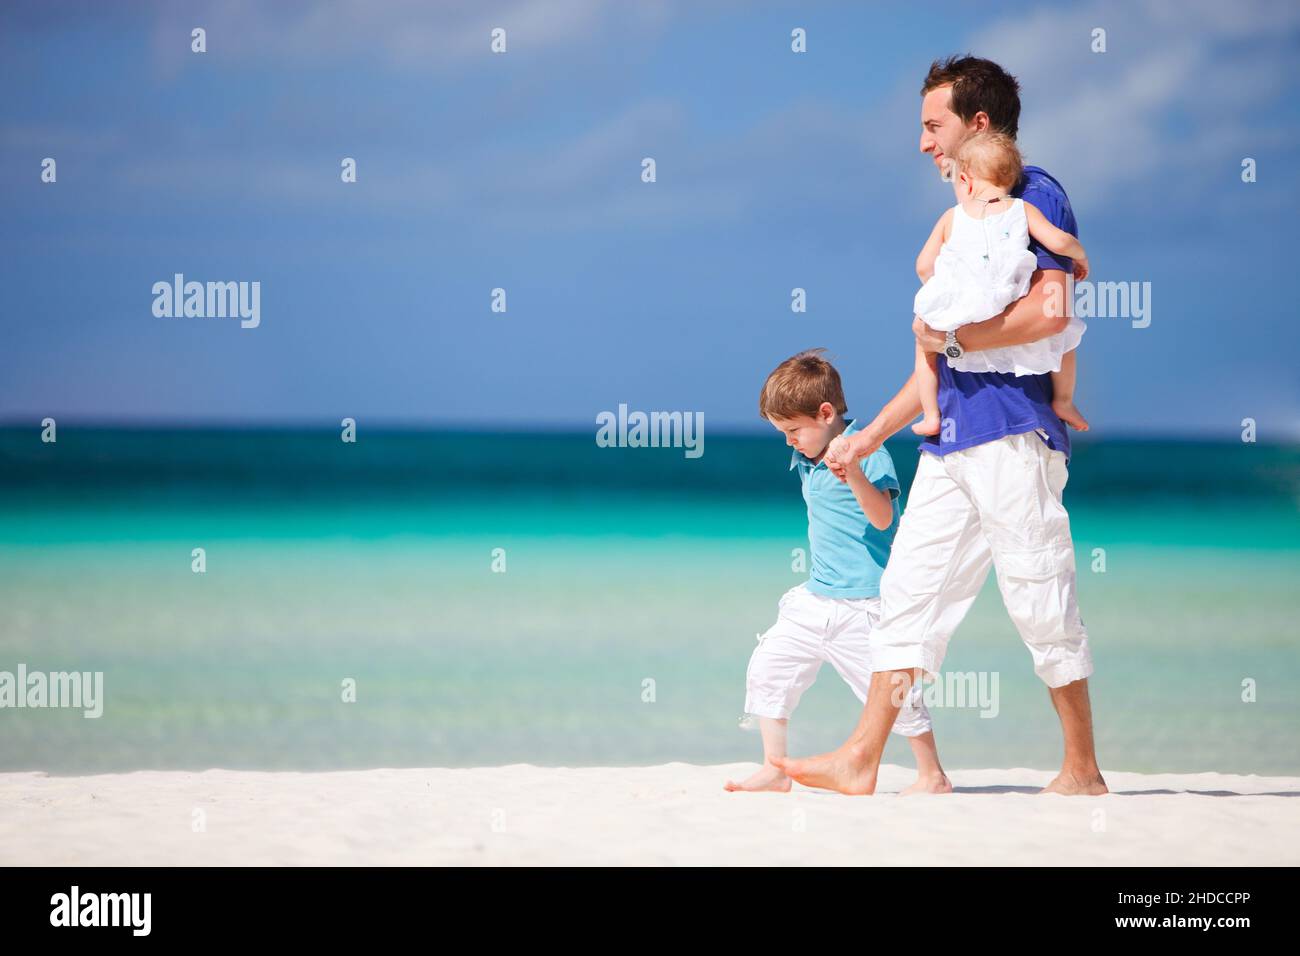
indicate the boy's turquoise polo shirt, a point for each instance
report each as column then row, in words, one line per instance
column 848, row 554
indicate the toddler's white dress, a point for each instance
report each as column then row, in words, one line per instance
column 983, row 267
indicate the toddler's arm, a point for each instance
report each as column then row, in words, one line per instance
column 930, row 251
column 875, row 504
column 1057, row 240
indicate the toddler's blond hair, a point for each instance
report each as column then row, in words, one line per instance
column 993, row 157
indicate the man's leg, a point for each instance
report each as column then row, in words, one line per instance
column 1079, row 771
column 936, row 568
column 1017, row 483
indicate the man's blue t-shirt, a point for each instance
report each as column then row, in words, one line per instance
column 979, row 407
column 848, row 552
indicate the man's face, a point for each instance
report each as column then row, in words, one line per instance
column 942, row 130
column 808, row 435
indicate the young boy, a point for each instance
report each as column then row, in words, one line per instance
column 850, row 528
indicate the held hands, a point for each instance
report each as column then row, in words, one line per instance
column 1080, row 268
column 844, row 453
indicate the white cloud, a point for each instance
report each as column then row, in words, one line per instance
column 1176, row 83
column 426, row 35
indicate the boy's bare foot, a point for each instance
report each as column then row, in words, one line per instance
column 1068, row 413
column 1072, row 785
column 766, row 777
column 927, row 426
column 841, row 770
column 933, row 783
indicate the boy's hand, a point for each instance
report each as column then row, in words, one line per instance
column 1080, row 268
column 845, row 453
column 837, row 455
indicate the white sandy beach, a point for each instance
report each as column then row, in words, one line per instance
column 671, row 814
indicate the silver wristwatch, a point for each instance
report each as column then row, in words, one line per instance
column 951, row 347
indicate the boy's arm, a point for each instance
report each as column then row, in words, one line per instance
column 1056, row 240
column 876, row 504
column 930, row 251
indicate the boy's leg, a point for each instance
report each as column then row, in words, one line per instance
column 1063, row 392
column 927, row 386
column 767, row 777
column 849, row 651
column 782, row 667
column 930, row 777
column 937, row 565
column 1017, row 483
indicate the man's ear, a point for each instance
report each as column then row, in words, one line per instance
column 980, row 121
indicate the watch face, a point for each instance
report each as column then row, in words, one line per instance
column 953, row 351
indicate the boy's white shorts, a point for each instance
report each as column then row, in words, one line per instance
column 992, row 505
column 810, row 629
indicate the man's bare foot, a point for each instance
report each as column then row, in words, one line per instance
column 1072, row 785
column 931, row 783
column 840, row 770
column 1068, row 413
column 927, row 426
column 766, row 777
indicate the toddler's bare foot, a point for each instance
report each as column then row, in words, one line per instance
column 1067, row 413
column 766, row 778
column 927, row 426
column 932, row 783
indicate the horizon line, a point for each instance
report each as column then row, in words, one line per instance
column 392, row 426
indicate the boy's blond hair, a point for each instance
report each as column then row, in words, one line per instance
column 799, row 385
column 991, row 156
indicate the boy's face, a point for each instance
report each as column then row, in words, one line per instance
column 809, row 435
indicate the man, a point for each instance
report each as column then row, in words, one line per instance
column 988, row 488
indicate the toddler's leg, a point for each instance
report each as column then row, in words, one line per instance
column 927, row 385
column 1063, row 393
column 768, row 777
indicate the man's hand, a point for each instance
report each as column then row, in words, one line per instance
column 1081, row 268
column 844, row 452
column 926, row 337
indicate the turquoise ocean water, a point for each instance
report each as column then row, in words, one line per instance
column 374, row 562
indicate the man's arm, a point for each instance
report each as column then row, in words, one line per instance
column 899, row 411
column 1041, row 312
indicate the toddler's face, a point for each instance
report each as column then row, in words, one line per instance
column 808, row 435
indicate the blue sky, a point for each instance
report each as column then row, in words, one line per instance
column 522, row 171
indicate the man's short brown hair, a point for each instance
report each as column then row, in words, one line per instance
column 799, row 385
column 978, row 86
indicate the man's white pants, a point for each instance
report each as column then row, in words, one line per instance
column 994, row 504
column 812, row 628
